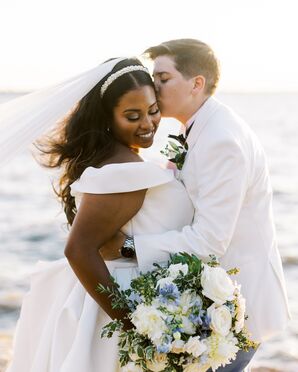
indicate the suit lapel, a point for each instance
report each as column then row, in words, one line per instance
column 201, row 120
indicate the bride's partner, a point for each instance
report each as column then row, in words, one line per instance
column 226, row 175
column 104, row 186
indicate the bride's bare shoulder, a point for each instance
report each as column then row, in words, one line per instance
column 123, row 155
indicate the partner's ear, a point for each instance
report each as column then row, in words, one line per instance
column 199, row 84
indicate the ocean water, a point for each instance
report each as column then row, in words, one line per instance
column 32, row 225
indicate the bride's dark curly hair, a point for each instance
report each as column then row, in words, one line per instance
column 84, row 137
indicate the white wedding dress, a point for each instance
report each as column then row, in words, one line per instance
column 60, row 324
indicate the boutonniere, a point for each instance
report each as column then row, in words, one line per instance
column 176, row 153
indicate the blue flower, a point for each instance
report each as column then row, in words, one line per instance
column 197, row 316
column 168, row 292
column 177, row 329
column 164, row 348
column 206, row 320
column 198, row 303
column 135, row 297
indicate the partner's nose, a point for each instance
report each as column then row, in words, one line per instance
column 157, row 86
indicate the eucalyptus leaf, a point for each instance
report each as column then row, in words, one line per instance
column 174, row 146
column 140, row 352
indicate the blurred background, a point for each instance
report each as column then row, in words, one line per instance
column 44, row 42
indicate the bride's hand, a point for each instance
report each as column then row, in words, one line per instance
column 123, row 315
column 127, row 324
column 111, row 250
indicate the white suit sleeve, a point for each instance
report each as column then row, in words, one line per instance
column 220, row 183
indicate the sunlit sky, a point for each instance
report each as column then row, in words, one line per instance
column 45, row 41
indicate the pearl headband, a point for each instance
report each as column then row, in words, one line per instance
column 119, row 73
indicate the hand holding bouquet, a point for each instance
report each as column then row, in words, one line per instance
column 187, row 316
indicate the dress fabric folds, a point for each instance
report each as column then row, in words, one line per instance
column 60, row 323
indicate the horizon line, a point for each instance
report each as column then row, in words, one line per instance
column 224, row 91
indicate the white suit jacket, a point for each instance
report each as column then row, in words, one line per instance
column 226, row 176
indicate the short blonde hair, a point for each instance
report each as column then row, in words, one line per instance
column 192, row 57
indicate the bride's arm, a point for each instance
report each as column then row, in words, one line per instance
column 99, row 217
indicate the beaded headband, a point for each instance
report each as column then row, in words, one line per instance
column 119, row 73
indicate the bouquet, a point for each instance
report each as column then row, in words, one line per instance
column 187, row 316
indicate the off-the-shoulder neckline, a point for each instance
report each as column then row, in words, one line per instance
column 133, row 163
column 125, row 176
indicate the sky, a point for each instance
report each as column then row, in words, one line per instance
column 46, row 41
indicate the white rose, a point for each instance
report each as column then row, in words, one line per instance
column 177, row 346
column 149, row 321
column 221, row 350
column 131, row 367
column 159, row 363
column 196, row 367
column 193, row 367
column 174, row 270
column 195, row 347
column 217, row 285
column 221, row 319
column 240, row 313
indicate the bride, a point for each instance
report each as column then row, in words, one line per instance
column 104, row 186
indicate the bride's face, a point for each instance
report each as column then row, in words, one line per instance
column 136, row 118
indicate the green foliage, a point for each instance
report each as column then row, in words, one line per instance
column 244, row 341
column 233, row 271
column 176, row 153
column 193, row 262
column 145, row 285
column 213, row 261
column 149, row 352
column 123, row 357
column 109, row 329
column 119, row 298
column 180, row 139
column 191, row 280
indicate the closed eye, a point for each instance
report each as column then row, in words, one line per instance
column 154, row 112
column 133, row 118
column 161, row 77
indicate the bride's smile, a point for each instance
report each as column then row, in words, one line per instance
column 136, row 118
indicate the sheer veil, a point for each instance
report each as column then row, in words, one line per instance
column 24, row 119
